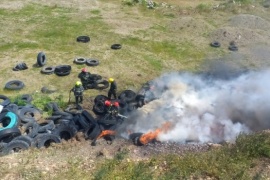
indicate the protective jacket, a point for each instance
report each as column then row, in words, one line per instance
column 78, row 90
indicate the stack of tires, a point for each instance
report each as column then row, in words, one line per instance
column 21, row 126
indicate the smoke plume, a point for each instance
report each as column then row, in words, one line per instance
column 204, row 108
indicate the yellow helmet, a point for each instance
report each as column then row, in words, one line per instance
column 78, row 83
column 111, row 80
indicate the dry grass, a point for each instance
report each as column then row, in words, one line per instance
column 154, row 42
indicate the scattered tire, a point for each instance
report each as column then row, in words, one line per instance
column 7, row 135
column 83, row 39
column 24, row 138
column 48, row 90
column 62, row 70
column 15, row 146
column 47, row 70
column 14, row 85
column 92, row 62
column 45, row 140
column 26, row 98
column 116, row 46
column 79, row 61
column 20, row 66
column 41, row 59
column 101, row 84
column 215, row 44
column 65, row 131
column 233, row 48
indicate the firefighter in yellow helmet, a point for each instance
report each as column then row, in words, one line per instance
column 78, row 92
column 113, row 88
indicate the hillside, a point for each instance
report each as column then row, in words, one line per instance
column 212, row 94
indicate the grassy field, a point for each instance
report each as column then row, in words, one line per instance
column 171, row 37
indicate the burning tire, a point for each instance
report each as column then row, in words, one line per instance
column 135, row 137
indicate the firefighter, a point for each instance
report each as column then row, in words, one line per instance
column 112, row 108
column 84, row 77
column 78, row 92
column 113, row 88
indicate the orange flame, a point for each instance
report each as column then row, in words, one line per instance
column 106, row 133
column 146, row 138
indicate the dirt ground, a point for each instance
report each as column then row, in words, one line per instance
column 251, row 33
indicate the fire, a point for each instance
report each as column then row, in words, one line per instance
column 146, row 138
column 106, row 133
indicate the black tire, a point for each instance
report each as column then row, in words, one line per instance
column 30, row 129
column 62, row 113
column 3, row 146
column 27, row 98
column 52, row 106
column 65, row 131
column 29, row 114
column 20, row 66
column 24, row 138
column 45, row 140
column 95, row 77
column 13, row 108
column 102, row 98
column 92, row 132
column 83, row 39
column 92, row 62
column 47, row 90
column 47, row 126
column 62, row 70
column 99, row 108
column 14, row 85
column 215, row 44
column 6, row 100
column 15, row 146
column 116, row 46
column 47, row 70
column 79, row 61
column 135, row 137
column 7, row 135
column 61, row 121
column 88, row 117
column 83, row 122
column 101, row 84
column 233, row 48
column 41, row 59
column 107, row 120
column 127, row 95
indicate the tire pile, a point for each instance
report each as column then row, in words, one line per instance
column 21, row 127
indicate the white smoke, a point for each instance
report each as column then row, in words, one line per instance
column 206, row 109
